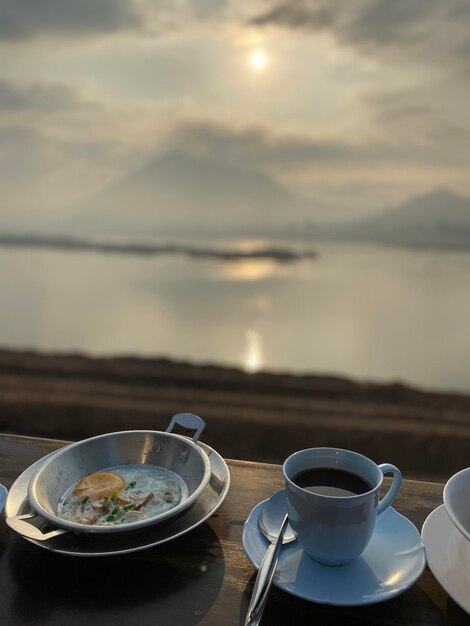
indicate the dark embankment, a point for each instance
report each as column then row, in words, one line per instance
column 260, row 417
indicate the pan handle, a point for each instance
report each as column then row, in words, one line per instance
column 19, row 524
column 189, row 421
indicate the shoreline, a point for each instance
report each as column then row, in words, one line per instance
column 261, row 417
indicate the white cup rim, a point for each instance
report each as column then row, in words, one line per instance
column 325, row 450
column 447, row 498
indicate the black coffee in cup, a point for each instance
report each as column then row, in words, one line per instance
column 329, row 481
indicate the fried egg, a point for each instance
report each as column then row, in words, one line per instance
column 123, row 494
column 99, row 484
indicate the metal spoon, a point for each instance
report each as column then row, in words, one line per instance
column 274, row 525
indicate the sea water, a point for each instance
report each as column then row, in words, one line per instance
column 362, row 311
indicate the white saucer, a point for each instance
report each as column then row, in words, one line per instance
column 448, row 556
column 391, row 563
column 75, row 545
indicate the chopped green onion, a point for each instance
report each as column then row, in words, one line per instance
column 85, row 499
column 114, row 497
column 129, row 507
column 131, row 485
column 115, row 516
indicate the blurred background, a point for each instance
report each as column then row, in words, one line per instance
column 244, row 197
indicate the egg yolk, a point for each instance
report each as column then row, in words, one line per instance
column 99, row 484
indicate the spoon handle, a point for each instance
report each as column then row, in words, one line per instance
column 264, row 578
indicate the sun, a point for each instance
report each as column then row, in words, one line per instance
column 258, row 60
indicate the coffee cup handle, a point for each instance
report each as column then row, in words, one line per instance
column 394, row 487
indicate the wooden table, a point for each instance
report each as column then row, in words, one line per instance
column 201, row 578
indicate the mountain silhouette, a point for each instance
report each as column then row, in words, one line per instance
column 426, row 211
column 440, row 219
column 175, row 191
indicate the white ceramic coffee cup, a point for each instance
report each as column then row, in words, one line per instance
column 330, row 529
column 457, row 501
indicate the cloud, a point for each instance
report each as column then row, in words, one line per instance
column 399, row 160
column 257, row 145
column 27, row 153
column 61, row 143
column 25, row 19
column 407, row 126
column 264, row 148
column 207, row 9
column 430, row 122
column 416, row 30
column 81, row 121
column 37, row 96
column 21, row 19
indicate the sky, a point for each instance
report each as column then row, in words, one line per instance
column 313, row 109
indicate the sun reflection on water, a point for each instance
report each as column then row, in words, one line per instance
column 248, row 269
column 253, row 359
